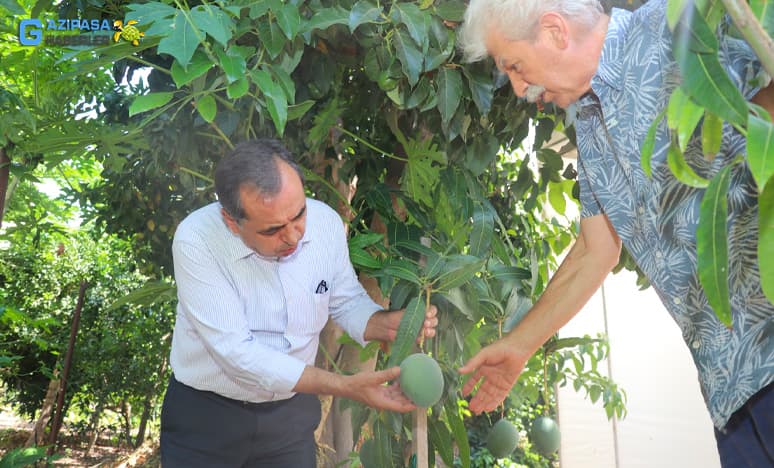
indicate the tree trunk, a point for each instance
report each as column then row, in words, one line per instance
column 38, row 436
column 5, row 171
column 126, row 416
column 94, row 427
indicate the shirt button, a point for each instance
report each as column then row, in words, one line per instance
column 696, row 344
column 641, row 210
column 677, row 301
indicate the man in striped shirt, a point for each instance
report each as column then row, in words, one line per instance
column 258, row 274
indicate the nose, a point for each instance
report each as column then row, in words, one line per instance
column 293, row 234
column 519, row 85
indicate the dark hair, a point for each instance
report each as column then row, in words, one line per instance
column 252, row 163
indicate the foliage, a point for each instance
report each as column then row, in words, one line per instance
column 707, row 96
column 21, row 457
column 40, row 284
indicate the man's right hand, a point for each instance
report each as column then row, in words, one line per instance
column 496, row 367
column 370, row 389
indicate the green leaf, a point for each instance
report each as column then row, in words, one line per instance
column 276, row 103
column 364, row 11
column 441, row 440
column 408, row 331
column 401, row 269
column 764, row 11
column 213, row 21
column 232, row 63
column 272, row 37
column 683, row 115
column 411, row 58
column 760, row 150
column 297, row 111
column 361, row 241
column 286, row 83
column 361, row 258
column 327, row 17
column 766, row 239
column 646, row 153
column 150, row 101
column 417, row 22
column 13, row 7
column 289, row 20
column 704, row 78
column 198, row 66
column 674, row 10
column 451, row 11
column 681, row 170
column 207, row 107
column 181, row 43
column 459, row 269
column 712, row 245
column 238, row 88
column 482, row 232
column 152, row 292
column 449, row 92
column 711, row 135
column 457, row 426
column 481, row 89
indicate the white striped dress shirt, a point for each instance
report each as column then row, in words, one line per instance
column 248, row 325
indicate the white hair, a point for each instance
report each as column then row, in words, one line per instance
column 516, row 20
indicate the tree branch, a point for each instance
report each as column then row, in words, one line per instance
column 753, row 32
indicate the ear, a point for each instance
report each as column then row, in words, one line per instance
column 556, row 29
column 231, row 223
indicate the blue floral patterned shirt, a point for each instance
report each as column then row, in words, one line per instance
column 656, row 218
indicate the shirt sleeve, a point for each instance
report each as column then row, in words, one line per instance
column 212, row 308
column 589, row 204
column 350, row 306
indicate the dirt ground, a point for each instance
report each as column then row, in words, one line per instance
column 15, row 431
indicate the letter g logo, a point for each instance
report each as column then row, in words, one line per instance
column 34, row 28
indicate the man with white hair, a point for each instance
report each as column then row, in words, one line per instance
column 618, row 71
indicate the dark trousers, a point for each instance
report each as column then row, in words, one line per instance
column 747, row 441
column 204, row 429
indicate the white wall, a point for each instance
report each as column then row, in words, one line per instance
column 667, row 425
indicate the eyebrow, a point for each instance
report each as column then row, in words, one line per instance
column 273, row 229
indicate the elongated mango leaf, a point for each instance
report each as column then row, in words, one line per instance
column 711, row 135
column 458, row 430
column 764, row 11
column 408, row 331
column 646, row 152
column 682, row 171
column 401, row 269
column 683, row 115
column 712, row 245
column 482, row 232
column 674, row 11
column 459, row 269
column 150, row 101
column 766, row 239
column 383, row 438
column 361, row 258
column 760, row 150
column 150, row 293
column 704, row 78
column 441, row 440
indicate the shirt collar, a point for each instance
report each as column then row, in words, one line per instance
column 609, row 70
